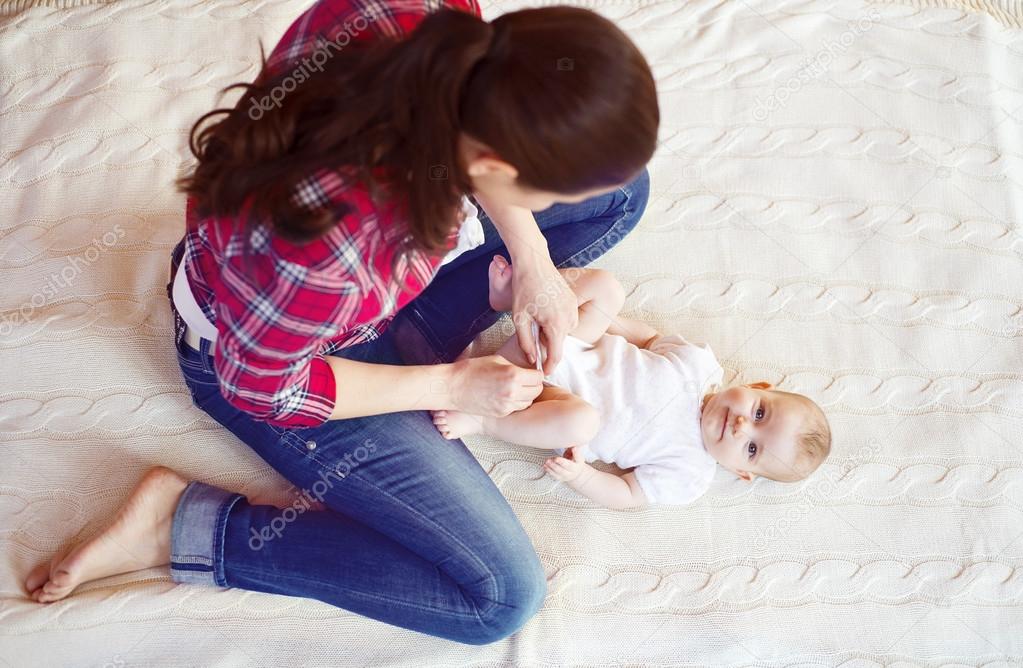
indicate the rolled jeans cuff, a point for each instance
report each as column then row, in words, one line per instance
column 197, row 534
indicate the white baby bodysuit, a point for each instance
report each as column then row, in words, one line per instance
column 649, row 403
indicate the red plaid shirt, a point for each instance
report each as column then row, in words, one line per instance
column 278, row 316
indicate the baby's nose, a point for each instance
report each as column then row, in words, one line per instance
column 739, row 426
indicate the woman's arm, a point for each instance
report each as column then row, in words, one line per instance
column 539, row 291
column 483, row 386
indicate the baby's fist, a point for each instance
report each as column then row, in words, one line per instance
column 566, row 469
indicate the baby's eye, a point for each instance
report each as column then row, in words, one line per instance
column 751, row 448
column 759, row 414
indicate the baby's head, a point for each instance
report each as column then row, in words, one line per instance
column 754, row 430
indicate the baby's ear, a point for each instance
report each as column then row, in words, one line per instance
column 760, row 385
column 746, row 475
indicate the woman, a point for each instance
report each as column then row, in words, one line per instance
column 314, row 321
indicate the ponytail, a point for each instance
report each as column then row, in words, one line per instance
column 560, row 93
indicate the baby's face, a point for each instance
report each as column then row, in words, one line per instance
column 752, row 431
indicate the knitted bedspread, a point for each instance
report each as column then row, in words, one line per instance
column 836, row 207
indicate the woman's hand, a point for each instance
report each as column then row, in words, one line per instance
column 493, row 386
column 540, row 293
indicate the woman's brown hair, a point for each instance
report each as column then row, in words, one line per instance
column 560, row 93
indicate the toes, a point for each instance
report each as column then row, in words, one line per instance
column 43, row 597
column 37, row 578
column 51, row 592
column 52, row 588
column 61, row 579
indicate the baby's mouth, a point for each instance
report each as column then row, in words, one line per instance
column 724, row 423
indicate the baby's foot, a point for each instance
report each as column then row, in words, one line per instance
column 456, row 424
column 500, row 284
column 139, row 537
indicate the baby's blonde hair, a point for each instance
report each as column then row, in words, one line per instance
column 814, row 444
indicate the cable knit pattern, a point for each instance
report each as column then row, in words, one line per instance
column 858, row 219
column 835, row 208
column 878, row 144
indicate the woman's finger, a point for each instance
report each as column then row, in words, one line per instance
column 524, row 333
column 531, row 378
column 553, row 341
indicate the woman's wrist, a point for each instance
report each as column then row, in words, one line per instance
column 528, row 251
column 518, row 229
column 365, row 388
column 440, row 380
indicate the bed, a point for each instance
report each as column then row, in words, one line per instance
column 836, row 206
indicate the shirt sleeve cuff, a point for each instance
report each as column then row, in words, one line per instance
column 321, row 396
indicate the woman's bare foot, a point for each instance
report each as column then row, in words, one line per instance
column 139, row 537
column 456, row 424
column 500, row 284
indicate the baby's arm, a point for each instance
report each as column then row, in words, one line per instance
column 607, row 489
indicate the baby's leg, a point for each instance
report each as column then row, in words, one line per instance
column 599, row 294
column 556, row 419
column 601, row 298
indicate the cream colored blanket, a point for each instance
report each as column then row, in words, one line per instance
column 836, row 208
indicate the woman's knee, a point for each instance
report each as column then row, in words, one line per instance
column 626, row 212
column 637, row 193
column 523, row 586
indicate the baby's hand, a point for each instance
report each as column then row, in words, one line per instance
column 567, row 469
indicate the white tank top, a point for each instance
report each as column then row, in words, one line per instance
column 187, row 307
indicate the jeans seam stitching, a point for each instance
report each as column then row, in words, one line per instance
column 451, row 537
column 445, row 532
column 387, row 599
column 425, row 330
column 220, row 530
column 626, row 212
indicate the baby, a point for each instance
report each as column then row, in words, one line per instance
column 626, row 394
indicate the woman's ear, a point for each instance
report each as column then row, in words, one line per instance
column 487, row 165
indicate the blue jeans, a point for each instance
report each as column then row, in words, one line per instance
column 415, row 533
